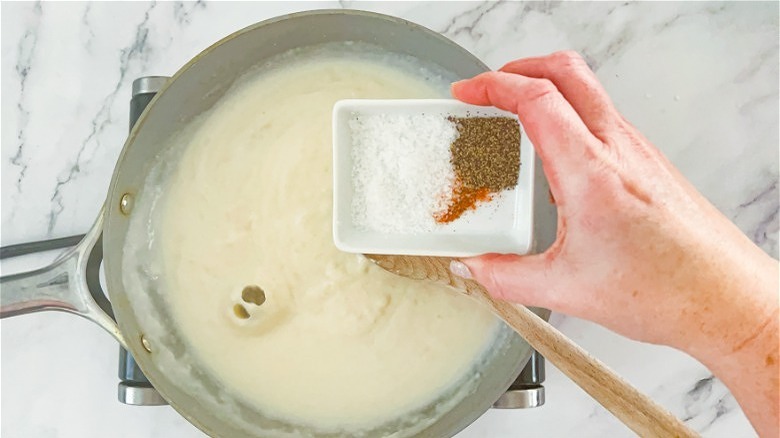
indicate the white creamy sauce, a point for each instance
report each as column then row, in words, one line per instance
column 338, row 343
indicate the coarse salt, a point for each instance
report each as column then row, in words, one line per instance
column 401, row 175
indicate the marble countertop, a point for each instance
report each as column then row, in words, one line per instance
column 698, row 78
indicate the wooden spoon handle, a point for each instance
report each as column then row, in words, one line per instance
column 634, row 409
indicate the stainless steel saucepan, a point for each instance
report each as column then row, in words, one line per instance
column 137, row 316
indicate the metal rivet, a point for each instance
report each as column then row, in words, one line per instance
column 126, row 203
column 146, row 344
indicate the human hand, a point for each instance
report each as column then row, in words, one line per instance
column 638, row 249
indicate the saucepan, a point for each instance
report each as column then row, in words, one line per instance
column 136, row 315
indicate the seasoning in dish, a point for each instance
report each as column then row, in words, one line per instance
column 401, row 173
column 486, row 159
column 412, row 173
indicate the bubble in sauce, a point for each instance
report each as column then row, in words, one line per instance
column 253, row 294
column 240, row 311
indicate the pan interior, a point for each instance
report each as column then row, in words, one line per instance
column 153, row 264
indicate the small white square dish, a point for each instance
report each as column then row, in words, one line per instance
column 406, row 145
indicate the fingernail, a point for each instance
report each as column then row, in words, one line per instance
column 460, row 269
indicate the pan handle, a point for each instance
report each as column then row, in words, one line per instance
column 70, row 284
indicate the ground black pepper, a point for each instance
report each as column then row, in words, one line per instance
column 486, row 153
column 486, row 160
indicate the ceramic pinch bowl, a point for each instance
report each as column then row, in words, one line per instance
column 502, row 224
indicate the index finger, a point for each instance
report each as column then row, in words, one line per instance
column 559, row 136
column 570, row 74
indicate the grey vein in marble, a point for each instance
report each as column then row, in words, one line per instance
column 769, row 225
column 617, row 44
column 87, row 27
column 700, row 412
column 468, row 21
column 183, row 11
column 26, row 53
column 137, row 50
column 758, row 62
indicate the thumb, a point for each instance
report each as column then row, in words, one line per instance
column 510, row 277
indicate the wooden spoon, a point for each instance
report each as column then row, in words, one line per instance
column 634, row 409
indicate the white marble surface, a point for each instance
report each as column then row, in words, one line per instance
column 699, row 79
